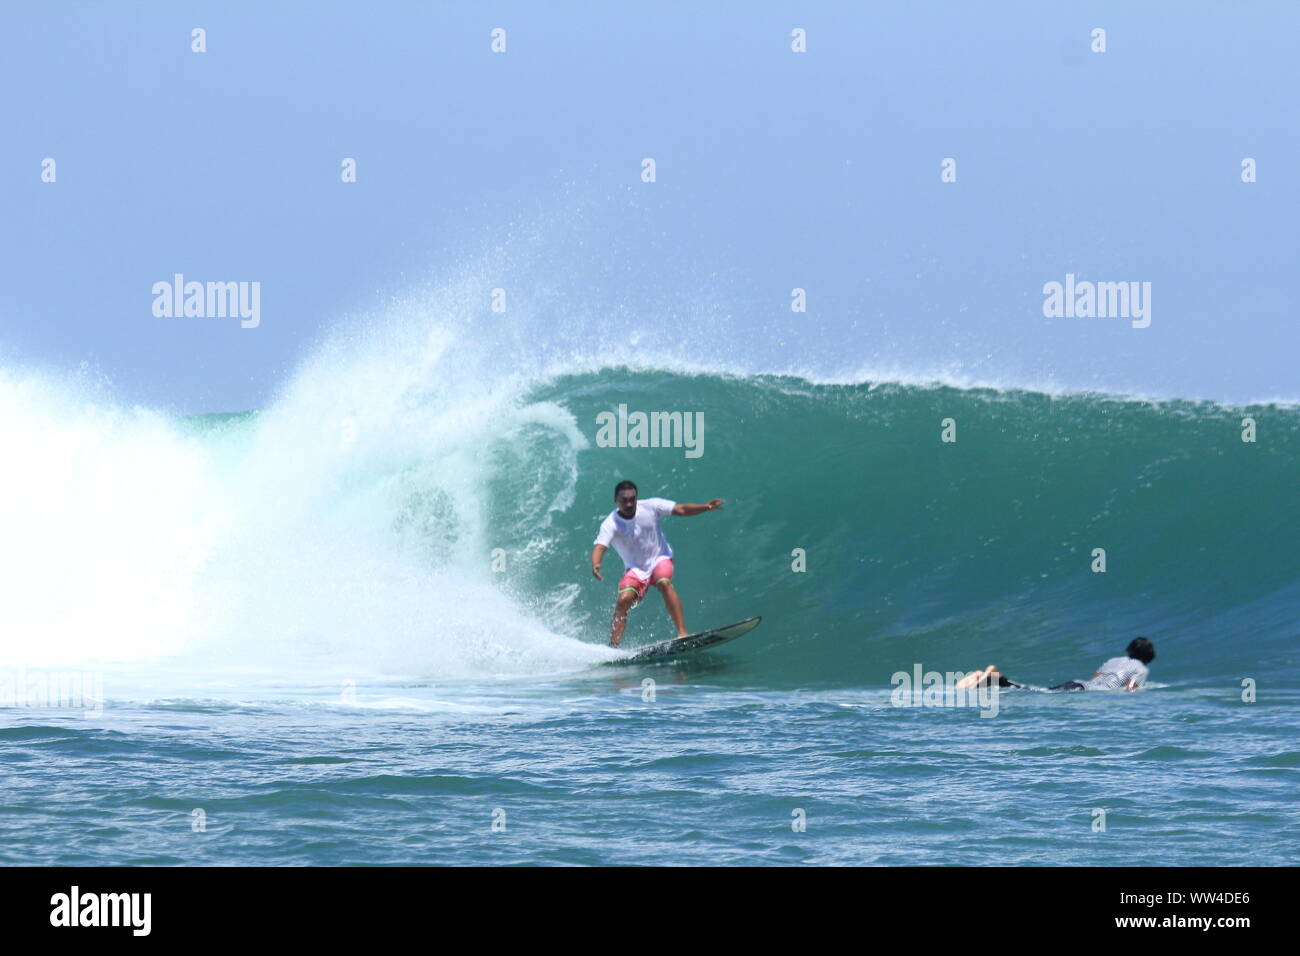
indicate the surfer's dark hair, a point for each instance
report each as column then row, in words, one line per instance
column 1142, row 649
column 624, row 485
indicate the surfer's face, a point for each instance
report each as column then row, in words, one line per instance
column 626, row 500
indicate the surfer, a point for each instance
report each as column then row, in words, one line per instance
column 1118, row 673
column 635, row 528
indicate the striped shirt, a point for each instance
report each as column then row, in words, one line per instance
column 1117, row 672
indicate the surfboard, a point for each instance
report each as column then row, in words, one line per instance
column 691, row 642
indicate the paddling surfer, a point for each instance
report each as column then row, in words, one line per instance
column 1119, row 673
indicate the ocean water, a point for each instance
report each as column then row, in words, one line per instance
column 357, row 626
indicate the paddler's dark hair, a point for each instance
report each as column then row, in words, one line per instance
column 623, row 486
column 1142, row 649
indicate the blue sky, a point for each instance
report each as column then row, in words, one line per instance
column 775, row 170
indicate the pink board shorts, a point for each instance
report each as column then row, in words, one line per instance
column 664, row 569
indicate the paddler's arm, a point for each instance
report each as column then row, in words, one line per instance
column 684, row 509
column 597, row 555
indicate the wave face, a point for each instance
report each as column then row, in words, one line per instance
column 960, row 554
column 413, row 509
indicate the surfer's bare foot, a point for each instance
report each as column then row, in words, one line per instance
column 613, row 643
column 979, row 678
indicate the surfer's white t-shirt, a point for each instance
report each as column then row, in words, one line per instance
column 1116, row 672
column 639, row 541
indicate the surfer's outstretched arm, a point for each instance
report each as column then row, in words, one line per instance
column 684, row 509
column 597, row 555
